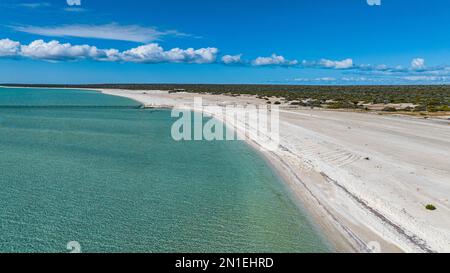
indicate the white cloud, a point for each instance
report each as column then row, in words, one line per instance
column 35, row 5
column 9, row 48
column 273, row 60
column 374, row 2
column 418, row 63
column 381, row 67
column 232, row 59
column 320, row 79
column 426, row 78
column 75, row 9
column 133, row 33
column 74, row 2
column 326, row 79
column 361, row 79
column 55, row 51
column 151, row 53
column 344, row 64
column 154, row 53
column 354, row 79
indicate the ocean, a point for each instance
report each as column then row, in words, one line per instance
column 99, row 170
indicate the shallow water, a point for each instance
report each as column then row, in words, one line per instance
column 83, row 166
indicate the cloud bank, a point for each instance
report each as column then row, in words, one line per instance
column 148, row 54
column 154, row 53
column 151, row 53
column 9, row 48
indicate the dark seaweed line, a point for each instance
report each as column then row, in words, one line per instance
column 355, row 239
column 412, row 238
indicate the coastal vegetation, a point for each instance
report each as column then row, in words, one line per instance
column 410, row 98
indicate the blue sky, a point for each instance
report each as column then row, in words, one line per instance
column 232, row 41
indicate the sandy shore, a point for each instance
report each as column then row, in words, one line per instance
column 365, row 178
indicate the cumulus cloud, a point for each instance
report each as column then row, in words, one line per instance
column 9, row 48
column 344, row 64
column 151, row 53
column 132, row 33
column 418, row 63
column 154, row 53
column 232, row 59
column 55, row 51
column 273, row 60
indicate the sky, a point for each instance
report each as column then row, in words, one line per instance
column 322, row 42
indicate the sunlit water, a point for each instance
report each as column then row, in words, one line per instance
column 96, row 169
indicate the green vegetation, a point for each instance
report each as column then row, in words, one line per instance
column 425, row 98
column 430, row 207
column 343, row 105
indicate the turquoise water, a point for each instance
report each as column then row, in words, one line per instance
column 82, row 166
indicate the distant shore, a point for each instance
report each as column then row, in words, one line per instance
column 418, row 100
column 364, row 178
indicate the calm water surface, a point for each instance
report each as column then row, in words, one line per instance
column 82, row 166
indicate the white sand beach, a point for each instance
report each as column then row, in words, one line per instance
column 365, row 178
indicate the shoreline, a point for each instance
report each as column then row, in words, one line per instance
column 329, row 233
column 359, row 230
column 355, row 209
column 334, row 237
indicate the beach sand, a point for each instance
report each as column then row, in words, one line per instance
column 364, row 178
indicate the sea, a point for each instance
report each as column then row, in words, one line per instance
column 87, row 172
